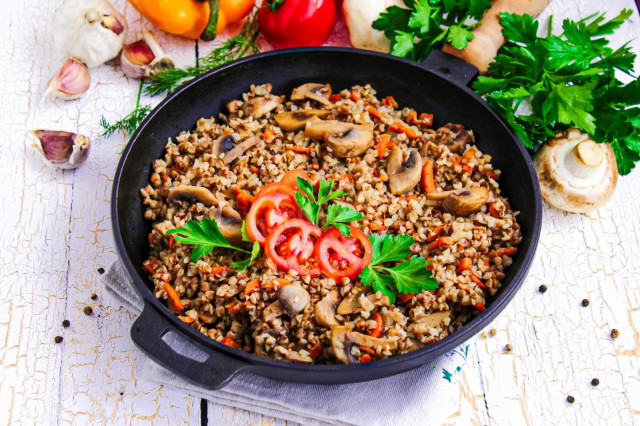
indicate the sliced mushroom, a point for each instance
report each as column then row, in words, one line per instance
column 325, row 310
column 294, row 298
column 430, row 321
column 344, row 139
column 294, row 356
column 454, row 136
column 343, row 339
column 352, row 304
column 192, row 194
column 291, row 121
column 230, row 224
column 260, row 105
column 460, row 202
column 272, row 311
column 226, row 149
column 314, row 91
column 404, row 175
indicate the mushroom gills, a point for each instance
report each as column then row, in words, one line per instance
column 345, row 139
column 193, row 195
column 226, row 149
column 454, row 136
column 404, row 175
column 314, row 91
column 260, row 105
column 291, row 121
column 343, row 339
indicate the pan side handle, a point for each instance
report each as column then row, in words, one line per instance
column 210, row 369
column 450, row 67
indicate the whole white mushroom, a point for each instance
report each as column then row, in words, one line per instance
column 576, row 174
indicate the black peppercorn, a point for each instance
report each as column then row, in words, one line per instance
column 88, row 310
column 542, row 288
column 595, row 382
column 66, row 323
column 94, row 296
column 585, row 302
column 571, row 399
column 58, row 339
column 615, row 333
column 101, row 271
column 508, row 348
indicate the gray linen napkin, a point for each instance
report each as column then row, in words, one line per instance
column 405, row 399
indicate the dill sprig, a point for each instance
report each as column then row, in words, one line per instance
column 241, row 45
column 130, row 122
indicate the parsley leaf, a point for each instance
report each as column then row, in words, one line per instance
column 311, row 205
column 545, row 85
column 410, row 276
column 204, row 235
column 338, row 215
column 310, row 208
column 241, row 265
column 459, row 37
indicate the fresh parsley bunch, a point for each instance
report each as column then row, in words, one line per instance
column 425, row 25
column 410, row 276
column 566, row 81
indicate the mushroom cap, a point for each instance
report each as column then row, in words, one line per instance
column 192, row 194
column 291, row 121
column 230, row 224
column 464, row 202
column 576, row 174
column 261, row 105
column 343, row 338
column 317, row 129
column 314, row 91
column 325, row 310
column 294, row 298
column 351, row 143
column 225, row 149
column 404, row 175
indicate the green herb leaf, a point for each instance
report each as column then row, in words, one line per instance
column 204, row 235
column 311, row 205
column 244, row 264
column 306, row 187
column 412, row 276
column 459, row 37
column 337, row 215
column 380, row 282
column 311, row 209
column 390, row 248
column 243, row 232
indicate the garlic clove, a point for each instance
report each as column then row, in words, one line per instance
column 61, row 149
column 72, row 80
column 113, row 23
column 144, row 57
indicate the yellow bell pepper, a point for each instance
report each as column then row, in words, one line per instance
column 190, row 18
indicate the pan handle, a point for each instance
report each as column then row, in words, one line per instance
column 450, row 67
column 214, row 372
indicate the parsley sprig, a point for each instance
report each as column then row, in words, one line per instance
column 424, row 25
column 337, row 215
column 410, row 276
column 205, row 236
column 544, row 85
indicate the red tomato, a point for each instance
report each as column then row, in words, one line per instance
column 340, row 256
column 267, row 212
column 291, row 246
column 297, row 23
column 291, row 177
column 276, row 188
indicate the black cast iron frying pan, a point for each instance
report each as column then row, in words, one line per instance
column 439, row 86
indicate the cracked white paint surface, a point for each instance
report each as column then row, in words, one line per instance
column 56, row 232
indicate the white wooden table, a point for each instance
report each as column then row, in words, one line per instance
column 56, row 233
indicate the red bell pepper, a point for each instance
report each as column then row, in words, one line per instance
column 297, row 23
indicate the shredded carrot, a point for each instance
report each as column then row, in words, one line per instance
column 377, row 331
column 485, row 260
column 375, row 113
column 254, row 169
column 426, row 119
column 493, row 211
column 465, row 264
column 413, row 117
column 235, row 307
column 436, row 233
column 151, row 265
column 383, row 143
column 376, row 173
column 227, row 341
column 251, row 286
column 175, row 168
column 440, row 242
column 468, row 169
column 275, row 284
column 219, row 270
column 457, row 161
column 410, row 197
column 400, row 127
column 315, row 350
column 227, row 132
column 507, row 251
column 172, row 294
column 244, row 201
column 187, row 320
column 428, row 183
column 299, row 149
column 366, row 358
column 389, row 101
column 150, row 238
column 268, row 134
column 355, row 97
column 477, row 281
column 429, row 265
column 172, row 241
column 165, row 178
column 406, row 297
column 368, row 350
column 492, row 175
column 377, row 227
column 335, row 98
column 469, row 155
column 479, row 306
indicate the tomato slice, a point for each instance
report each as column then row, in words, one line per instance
column 291, row 177
column 291, row 246
column 340, row 256
column 267, row 212
column 276, row 188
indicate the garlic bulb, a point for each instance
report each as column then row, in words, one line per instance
column 89, row 30
column 61, row 149
column 72, row 80
column 145, row 57
column 359, row 15
column 576, row 174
